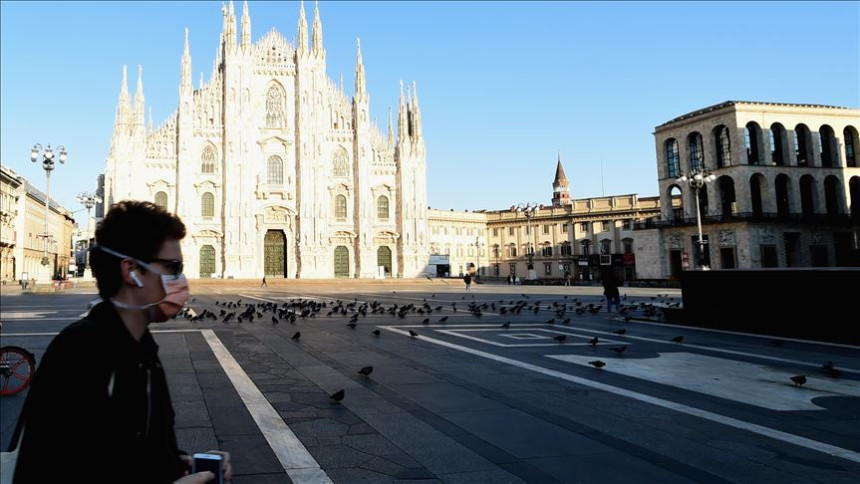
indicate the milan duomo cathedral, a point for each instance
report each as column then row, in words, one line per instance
column 273, row 169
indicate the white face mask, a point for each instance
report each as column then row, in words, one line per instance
column 175, row 287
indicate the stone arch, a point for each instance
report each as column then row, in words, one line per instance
column 758, row 185
column 778, row 145
column 722, row 146
column 829, row 151
column 695, row 151
column 782, row 190
column 850, row 140
column 728, row 197
column 807, row 195
column 833, row 195
column 673, row 158
column 753, row 143
column 803, row 145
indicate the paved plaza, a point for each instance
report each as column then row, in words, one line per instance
column 494, row 385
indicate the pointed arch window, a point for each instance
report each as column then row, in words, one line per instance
column 673, row 161
column 340, row 165
column 382, row 207
column 207, row 205
column 161, row 199
column 275, row 117
column 207, row 160
column 697, row 154
column 275, row 170
column 340, row 207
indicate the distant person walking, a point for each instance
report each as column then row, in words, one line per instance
column 468, row 280
column 264, row 283
column 610, row 290
column 510, row 280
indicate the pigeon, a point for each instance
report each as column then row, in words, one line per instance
column 798, row 380
column 506, row 324
column 376, row 332
column 597, row 364
column 620, row 332
column 366, row 371
column 777, row 342
column 351, row 325
column 677, row 339
column 443, row 319
column 618, row 349
column 830, row 370
column 413, row 334
column 426, row 321
column 275, row 320
column 550, row 321
column 338, row 395
column 593, row 341
column 296, row 336
column 560, row 338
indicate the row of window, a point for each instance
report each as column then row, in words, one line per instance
column 601, row 226
column 778, row 136
column 207, row 205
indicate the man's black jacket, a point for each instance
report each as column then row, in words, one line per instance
column 98, row 409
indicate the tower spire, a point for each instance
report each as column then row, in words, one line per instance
column 560, row 186
column 246, row 26
column 317, row 33
column 303, row 29
column 416, row 111
column 360, row 83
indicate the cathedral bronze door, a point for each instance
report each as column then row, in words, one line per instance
column 275, row 244
column 207, row 261
column 383, row 258
column 341, row 261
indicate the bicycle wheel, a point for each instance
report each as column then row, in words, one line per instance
column 17, row 367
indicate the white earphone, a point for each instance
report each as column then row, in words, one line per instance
column 135, row 278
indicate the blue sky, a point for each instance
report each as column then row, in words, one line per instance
column 502, row 85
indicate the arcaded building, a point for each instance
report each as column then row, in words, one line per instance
column 785, row 190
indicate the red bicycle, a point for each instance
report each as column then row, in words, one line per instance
column 17, row 367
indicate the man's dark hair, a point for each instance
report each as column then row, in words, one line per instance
column 135, row 228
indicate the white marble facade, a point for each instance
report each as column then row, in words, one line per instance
column 273, row 168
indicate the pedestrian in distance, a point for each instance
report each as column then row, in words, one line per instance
column 610, row 290
column 467, row 279
column 510, row 279
column 99, row 408
column 264, row 283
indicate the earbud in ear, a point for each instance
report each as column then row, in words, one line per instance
column 135, row 278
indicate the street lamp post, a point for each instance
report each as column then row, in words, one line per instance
column 89, row 200
column 477, row 245
column 529, row 210
column 697, row 179
column 47, row 165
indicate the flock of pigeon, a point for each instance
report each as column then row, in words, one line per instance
column 296, row 309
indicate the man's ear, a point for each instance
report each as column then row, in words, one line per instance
column 128, row 272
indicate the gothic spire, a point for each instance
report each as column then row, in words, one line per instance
column 402, row 123
column 246, row 27
column 138, row 96
column 390, row 128
column 139, row 109
column 186, row 81
column 317, row 33
column 303, row 29
column 416, row 111
column 123, row 92
column 360, row 85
